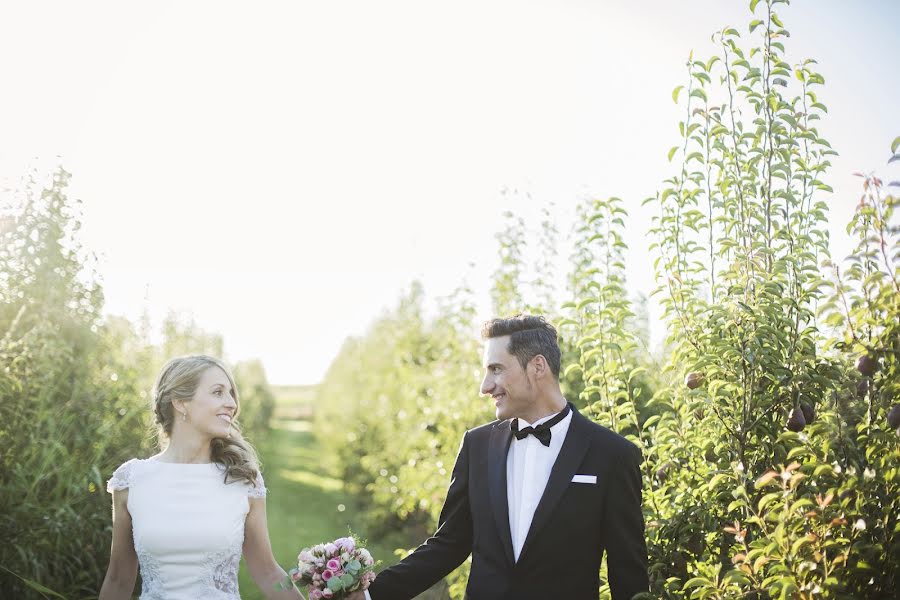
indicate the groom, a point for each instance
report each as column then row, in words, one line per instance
column 538, row 495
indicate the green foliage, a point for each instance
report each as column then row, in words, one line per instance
column 74, row 397
column 738, row 502
column 604, row 342
column 508, row 278
column 257, row 398
column 393, row 407
column 740, row 235
column 68, row 409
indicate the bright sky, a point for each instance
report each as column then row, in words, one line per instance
column 284, row 170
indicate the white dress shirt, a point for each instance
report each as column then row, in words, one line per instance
column 528, row 467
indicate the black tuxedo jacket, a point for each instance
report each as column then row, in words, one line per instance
column 573, row 525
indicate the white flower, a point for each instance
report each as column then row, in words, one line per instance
column 860, row 524
column 365, row 557
column 869, row 473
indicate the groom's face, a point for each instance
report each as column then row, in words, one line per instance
column 505, row 380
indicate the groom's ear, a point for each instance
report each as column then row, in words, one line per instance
column 541, row 368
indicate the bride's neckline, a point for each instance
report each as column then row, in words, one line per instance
column 166, row 462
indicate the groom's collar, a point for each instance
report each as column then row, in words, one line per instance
column 523, row 423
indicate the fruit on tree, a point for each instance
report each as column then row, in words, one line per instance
column 867, row 365
column 693, row 380
column 893, row 417
column 809, row 412
column 797, row 421
column 662, row 473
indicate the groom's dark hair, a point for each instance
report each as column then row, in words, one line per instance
column 528, row 336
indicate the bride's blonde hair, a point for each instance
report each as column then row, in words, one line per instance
column 178, row 380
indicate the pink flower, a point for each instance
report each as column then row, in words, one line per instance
column 326, row 575
column 315, row 595
column 330, row 549
column 346, row 543
column 306, row 556
column 327, row 593
column 333, row 564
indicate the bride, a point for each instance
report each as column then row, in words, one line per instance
column 187, row 514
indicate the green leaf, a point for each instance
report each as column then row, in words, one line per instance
column 35, row 585
column 572, row 368
column 753, row 4
column 699, row 94
column 635, row 372
column 675, row 93
column 754, row 24
column 776, row 20
column 895, row 144
column 672, row 152
column 697, row 582
column 335, row 584
column 694, row 155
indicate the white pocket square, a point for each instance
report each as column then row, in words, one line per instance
column 584, row 479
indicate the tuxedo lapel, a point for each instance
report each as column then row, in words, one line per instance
column 570, row 457
column 501, row 437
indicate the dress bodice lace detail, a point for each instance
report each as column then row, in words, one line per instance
column 259, row 490
column 187, row 526
column 221, row 572
column 151, row 585
column 121, row 478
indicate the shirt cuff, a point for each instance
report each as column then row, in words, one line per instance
column 368, row 597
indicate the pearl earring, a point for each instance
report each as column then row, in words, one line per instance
column 184, row 416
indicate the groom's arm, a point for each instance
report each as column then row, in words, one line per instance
column 624, row 523
column 442, row 552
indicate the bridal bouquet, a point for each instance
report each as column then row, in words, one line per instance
column 335, row 569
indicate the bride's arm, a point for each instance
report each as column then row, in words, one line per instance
column 123, row 563
column 258, row 554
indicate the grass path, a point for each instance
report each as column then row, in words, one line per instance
column 303, row 502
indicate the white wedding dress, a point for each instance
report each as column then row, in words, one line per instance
column 188, row 527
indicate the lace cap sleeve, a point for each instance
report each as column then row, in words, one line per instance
column 259, row 490
column 122, row 477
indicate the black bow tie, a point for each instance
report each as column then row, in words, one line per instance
column 542, row 431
